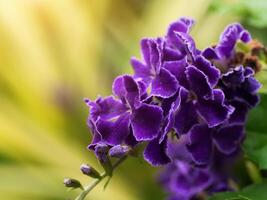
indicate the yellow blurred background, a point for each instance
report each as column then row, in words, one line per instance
column 53, row 53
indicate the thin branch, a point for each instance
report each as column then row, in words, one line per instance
column 88, row 188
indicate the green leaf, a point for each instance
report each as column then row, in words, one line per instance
column 255, row 144
column 256, row 120
column 252, row 12
column 252, row 192
column 256, row 148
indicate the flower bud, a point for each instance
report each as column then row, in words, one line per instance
column 90, row 171
column 119, row 151
column 72, row 183
column 101, row 151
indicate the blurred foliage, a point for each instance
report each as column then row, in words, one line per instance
column 256, row 142
column 253, row 192
column 252, row 13
column 53, row 53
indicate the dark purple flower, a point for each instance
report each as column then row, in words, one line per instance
column 203, row 140
column 240, row 85
column 151, row 72
column 112, row 120
column 226, row 47
column 178, row 91
column 183, row 180
column 230, row 37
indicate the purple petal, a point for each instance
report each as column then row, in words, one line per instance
column 177, row 149
column 183, row 25
column 131, row 91
column 106, row 108
column 228, row 138
column 198, row 82
column 251, row 85
column 234, row 77
column 188, row 44
column 130, row 139
column 189, row 180
column 96, row 135
column 248, row 72
column 212, row 73
column 118, row 87
column 245, row 36
column 213, row 111
column 146, row 122
column 152, row 53
column 170, row 54
column 240, row 113
column 155, row 153
column 140, row 70
column 164, row 85
column 185, row 116
column 200, row 144
column 128, row 90
column 210, row 54
column 251, row 100
column 177, row 68
column 114, row 132
column 229, row 37
column 169, row 120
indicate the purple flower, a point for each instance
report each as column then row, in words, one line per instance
column 240, row 85
column 179, row 92
column 225, row 49
column 203, row 140
column 113, row 121
column 183, row 180
column 150, row 71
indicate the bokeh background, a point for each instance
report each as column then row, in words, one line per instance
column 53, row 53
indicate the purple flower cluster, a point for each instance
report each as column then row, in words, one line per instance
column 181, row 91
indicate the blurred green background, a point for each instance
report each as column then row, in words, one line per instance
column 53, row 53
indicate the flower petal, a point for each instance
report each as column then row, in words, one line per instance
column 114, row 132
column 168, row 123
column 210, row 53
column 177, row 68
column 229, row 37
column 188, row 45
column 200, row 144
column 251, row 85
column 164, row 85
column 140, row 70
column 96, row 135
column 155, row 153
column 130, row 139
column 212, row 73
column 234, row 77
column 240, row 113
column 128, row 90
column 182, row 25
column 106, row 108
column 132, row 91
column 198, row 82
column 152, row 53
column 185, row 115
column 214, row 111
column 228, row 138
column 182, row 183
column 146, row 122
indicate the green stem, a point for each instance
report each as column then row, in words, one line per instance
column 253, row 172
column 88, row 188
